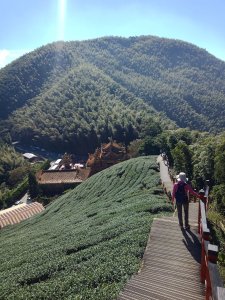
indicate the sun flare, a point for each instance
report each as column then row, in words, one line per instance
column 62, row 15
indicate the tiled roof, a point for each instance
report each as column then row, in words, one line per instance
column 112, row 145
column 63, row 176
column 19, row 213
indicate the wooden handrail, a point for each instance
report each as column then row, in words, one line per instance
column 209, row 253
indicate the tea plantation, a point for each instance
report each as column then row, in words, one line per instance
column 88, row 243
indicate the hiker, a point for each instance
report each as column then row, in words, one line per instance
column 180, row 192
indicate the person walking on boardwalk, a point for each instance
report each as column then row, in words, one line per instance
column 181, row 192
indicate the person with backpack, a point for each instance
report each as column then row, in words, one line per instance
column 181, row 192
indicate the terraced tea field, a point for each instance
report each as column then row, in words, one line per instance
column 88, row 242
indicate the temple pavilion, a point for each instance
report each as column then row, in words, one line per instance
column 106, row 156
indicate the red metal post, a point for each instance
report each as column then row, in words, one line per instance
column 208, row 294
column 203, row 262
column 199, row 217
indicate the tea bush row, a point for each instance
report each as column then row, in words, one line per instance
column 88, row 242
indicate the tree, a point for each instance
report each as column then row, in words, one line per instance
column 150, row 146
column 134, row 148
column 151, row 128
column 66, row 161
column 17, row 175
column 220, row 162
column 33, row 185
column 164, row 145
column 203, row 164
column 218, row 194
column 182, row 158
column 46, row 165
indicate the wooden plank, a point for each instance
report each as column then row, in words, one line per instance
column 170, row 268
column 172, row 290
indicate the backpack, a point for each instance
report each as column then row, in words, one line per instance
column 180, row 194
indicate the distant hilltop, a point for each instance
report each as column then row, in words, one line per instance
column 74, row 95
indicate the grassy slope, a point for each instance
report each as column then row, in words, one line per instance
column 88, row 242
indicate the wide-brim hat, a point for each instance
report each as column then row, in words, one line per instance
column 182, row 177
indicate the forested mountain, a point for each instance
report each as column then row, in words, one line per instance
column 76, row 94
column 85, row 107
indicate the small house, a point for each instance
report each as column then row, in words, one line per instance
column 31, row 157
column 56, row 181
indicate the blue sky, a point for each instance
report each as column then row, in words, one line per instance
column 28, row 24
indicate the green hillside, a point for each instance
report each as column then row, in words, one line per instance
column 84, row 108
column 68, row 93
column 88, row 242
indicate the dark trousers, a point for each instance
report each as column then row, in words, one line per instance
column 185, row 205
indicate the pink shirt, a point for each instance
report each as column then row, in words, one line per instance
column 187, row 189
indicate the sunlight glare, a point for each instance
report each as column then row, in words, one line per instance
column 62, row 15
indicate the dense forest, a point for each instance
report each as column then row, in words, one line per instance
column 15, row 175
column 66, row 94
column 13, row 170
column 80, row 112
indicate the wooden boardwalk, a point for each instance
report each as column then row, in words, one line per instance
column 165, row 177
column 171, row 263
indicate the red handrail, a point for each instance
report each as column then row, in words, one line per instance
column 209, row 253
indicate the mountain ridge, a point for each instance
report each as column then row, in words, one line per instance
column 175, row 80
